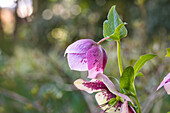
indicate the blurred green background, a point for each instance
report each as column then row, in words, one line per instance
column 34, row 74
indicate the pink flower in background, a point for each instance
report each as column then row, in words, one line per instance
column 106, row 91
column 85, row 54
column 166, row 84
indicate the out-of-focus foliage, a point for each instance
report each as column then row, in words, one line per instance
column 34, row 75
column 168, row 52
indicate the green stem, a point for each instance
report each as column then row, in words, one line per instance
column 119, row 58
column 137, row 102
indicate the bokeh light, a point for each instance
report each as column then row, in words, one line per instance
column 59, row 33
column 47, row 14
column 100, row 2
column 7, row 3
column 58, row 9
column 7, row 18
column 75, row 9
column 25, row 8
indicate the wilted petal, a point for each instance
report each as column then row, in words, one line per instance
column 95, row 61
column 111, row 86
column 165, row 83
column 77, row 61
column 80, row 46
column 90, row 86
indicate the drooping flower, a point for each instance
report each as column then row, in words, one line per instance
column 165, row 83
column 86, row 55
column 106, row 93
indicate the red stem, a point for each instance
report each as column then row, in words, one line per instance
column 103, row 40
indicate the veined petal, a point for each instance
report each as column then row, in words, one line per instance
column 167, row 87
column 111, row 86
column 126, row 108
column 77, row 61
column 90, row 86
column 95, row 61
column 80, row 46
column 164, row 80
column 102, row 100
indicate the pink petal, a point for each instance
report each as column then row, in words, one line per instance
column 167, row 87
column 80, row 46
column 124, row 108
column 104, row 59
column 90, row 86
column 164, row 80
column 95, row 61
column 111, row 86
column 77, row 61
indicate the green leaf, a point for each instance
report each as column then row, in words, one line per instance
column 139, row 74
column 168, row 52
column 142, row 60
column 115, row 35
column 110, row 25
column 127, row 79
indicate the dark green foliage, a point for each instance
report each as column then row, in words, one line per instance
column 127, row 80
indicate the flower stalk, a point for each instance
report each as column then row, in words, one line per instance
column 138, row 104
column 119, row 58
column 103, row 39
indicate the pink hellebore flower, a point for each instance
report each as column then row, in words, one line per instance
column 86, row 54
column 106, row 91
column 165, row 83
